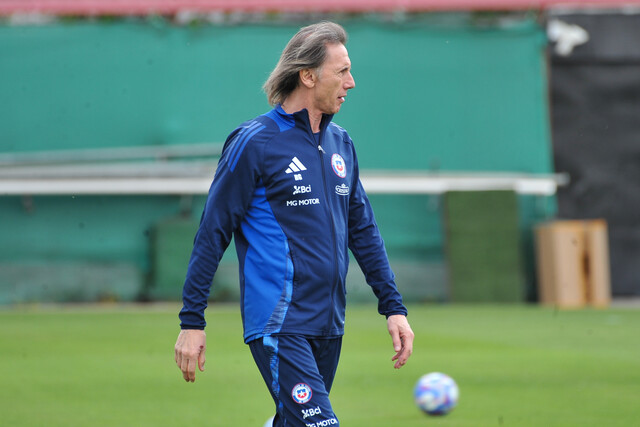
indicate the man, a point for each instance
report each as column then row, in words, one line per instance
column 287, row 188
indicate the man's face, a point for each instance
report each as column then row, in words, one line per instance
column 334, row 80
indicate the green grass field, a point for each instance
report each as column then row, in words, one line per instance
column 515, row 366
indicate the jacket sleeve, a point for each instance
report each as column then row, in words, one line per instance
column 367, row 246
column 229, row 197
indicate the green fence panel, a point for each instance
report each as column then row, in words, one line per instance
column 483, row 246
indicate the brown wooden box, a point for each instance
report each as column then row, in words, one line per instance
column 573, row 263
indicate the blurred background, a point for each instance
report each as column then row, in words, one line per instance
column 498, row 141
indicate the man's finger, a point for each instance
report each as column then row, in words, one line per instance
column 184, row 367
column 201, row 359
column 178, row 358
column 191, row 370
column 403, row 355
column 395, row 338
column 401, row 358
column 398, row 351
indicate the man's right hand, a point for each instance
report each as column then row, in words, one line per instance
column 190, row 348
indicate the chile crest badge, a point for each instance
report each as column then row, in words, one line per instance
column 301, row 393
column 338, row 165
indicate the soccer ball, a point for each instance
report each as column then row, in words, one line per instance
column 436, row 393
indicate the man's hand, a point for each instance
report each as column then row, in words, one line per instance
column 402, row 337
column 190, row 348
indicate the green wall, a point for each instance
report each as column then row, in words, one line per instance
column 429, row 95
column 450, row 99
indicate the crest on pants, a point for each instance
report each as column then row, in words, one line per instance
column 301, row 393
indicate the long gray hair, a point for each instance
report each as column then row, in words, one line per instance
column 306, row 50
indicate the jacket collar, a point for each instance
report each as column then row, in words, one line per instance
column 301, row 118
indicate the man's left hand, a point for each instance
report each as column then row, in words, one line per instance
column 402, row 337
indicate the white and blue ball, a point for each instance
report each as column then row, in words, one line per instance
column 436, row 393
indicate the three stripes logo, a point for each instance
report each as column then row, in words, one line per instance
column 295, row 166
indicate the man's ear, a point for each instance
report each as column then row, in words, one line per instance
column 308, row 77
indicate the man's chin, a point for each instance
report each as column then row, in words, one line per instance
column 332, row 110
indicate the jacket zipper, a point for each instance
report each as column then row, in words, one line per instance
column 321, row 153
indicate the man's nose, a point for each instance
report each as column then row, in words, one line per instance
column 350, row 83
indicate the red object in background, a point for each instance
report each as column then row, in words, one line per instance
column 167, row 7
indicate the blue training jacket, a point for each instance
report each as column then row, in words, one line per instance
column 295, row 205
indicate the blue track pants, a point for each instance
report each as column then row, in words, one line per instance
column 299, row 372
